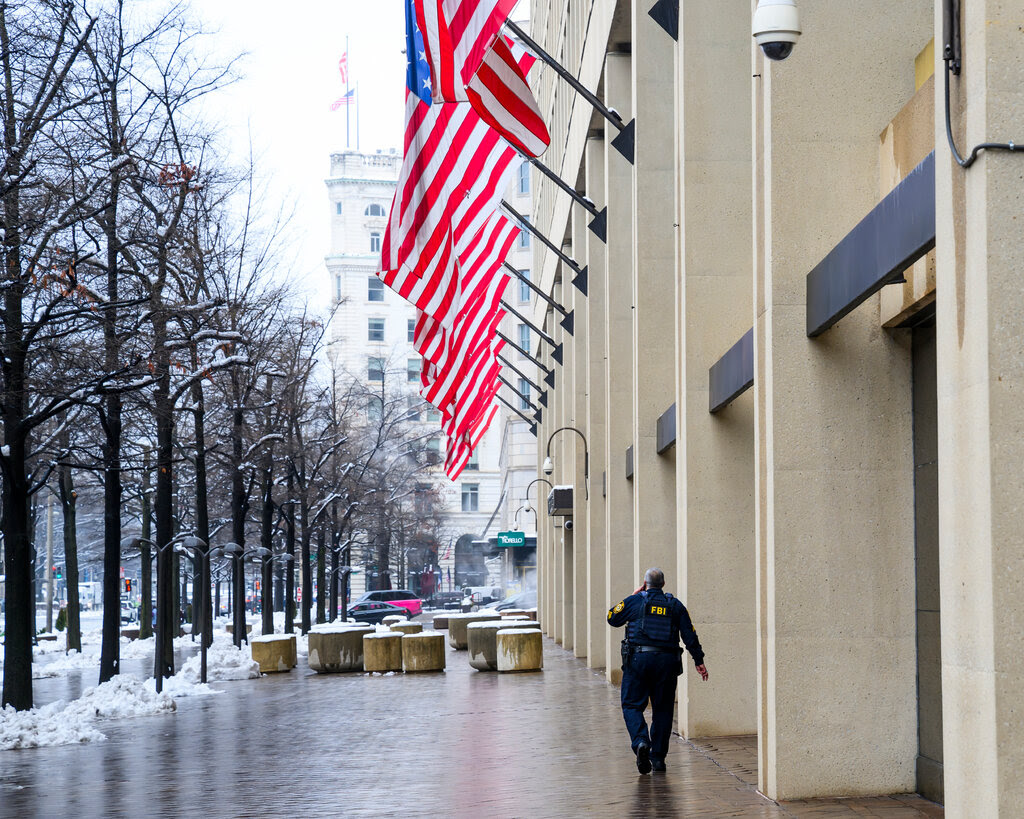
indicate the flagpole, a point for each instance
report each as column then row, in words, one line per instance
column 358, row 119
column 348, row 102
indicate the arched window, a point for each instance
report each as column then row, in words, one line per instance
column 375, row 210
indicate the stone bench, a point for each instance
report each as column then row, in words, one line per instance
column 407, row 627
column 531, row 613
column 458, row 637
column 337, row 648
column 520, row 649
column 231, row 629
column 382, row 651
column 131, row 633
column 423, row 651
column 509, row 613
column 391, row 619
column 274, row 652
column 440, row 622
column 46, row 638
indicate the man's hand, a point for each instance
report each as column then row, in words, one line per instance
column 703, row 671
column 643, row 587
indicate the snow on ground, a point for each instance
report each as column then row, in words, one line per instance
column 64, row 723
column 223, row 662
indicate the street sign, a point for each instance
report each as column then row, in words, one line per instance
column 511, row 539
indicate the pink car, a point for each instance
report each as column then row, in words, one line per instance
column 396, row 597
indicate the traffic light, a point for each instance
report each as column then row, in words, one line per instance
column 57, row 574
column 257, row 585
column 127, row 584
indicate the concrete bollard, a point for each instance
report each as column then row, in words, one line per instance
column 382, row 652
column 511, row 613
column 274, row 652
column 440, row 622
column 520, row 649
column 231, row 628
column 391, row 619
column 131, row 633
column 531, row 613
column 423, row 651
column 407, row 627
column 337, row 648
column 458, row 623
column 482, row 643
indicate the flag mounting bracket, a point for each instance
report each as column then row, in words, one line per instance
column 530, row 421
column 580, row 280
column 548, row 338
column 568, row 319
column 599, row 224
column 549, row 374
column 624, row 142
column 519, row 372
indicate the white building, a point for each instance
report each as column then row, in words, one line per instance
column 371, row 338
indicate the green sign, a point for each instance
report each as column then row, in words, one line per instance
column 511, row 539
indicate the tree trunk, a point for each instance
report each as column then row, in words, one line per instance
column 239, row 509
column 321, row 575
column 201, row 609
column 146, row 625
column 307, row 577
column 266, row 541
column 68, row 505
column 289, row 545
column 163, row 506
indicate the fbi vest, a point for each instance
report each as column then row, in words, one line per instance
column 658, row 624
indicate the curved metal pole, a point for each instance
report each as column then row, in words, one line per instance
column 531, row 483
column 586, row 457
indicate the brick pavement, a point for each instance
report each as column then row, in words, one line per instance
column 458, row 744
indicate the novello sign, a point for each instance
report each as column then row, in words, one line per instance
column 511, row 539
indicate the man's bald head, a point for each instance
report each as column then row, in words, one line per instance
column 654, row 578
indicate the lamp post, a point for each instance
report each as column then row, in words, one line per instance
column 548, row 466
column 238, row 556
column 130, row 543
column 527, row 493
column 197, row 548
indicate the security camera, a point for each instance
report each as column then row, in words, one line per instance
column 568, row 524
column 776, row 27
column 548, row 467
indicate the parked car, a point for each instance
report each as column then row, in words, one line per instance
column 374, row 611
column 128, row 614
column 523, row 600
column 399, row 597
column 445, row 600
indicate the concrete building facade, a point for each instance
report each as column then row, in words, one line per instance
column 798, row 380
column 370, row 339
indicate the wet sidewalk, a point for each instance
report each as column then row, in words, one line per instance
column 458, row 744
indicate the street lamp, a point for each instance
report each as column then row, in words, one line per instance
column 197, row 547
column 239, row 555
column 527, row 493
column 549, row 466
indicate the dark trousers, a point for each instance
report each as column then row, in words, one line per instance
column 650, row 675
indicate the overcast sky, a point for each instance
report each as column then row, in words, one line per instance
column 289, row 78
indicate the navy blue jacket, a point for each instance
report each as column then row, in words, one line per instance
column 656, row 619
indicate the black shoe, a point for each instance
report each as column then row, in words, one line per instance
column 658, row 765
column 643, row 758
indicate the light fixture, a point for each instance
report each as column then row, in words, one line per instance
column 548, row 467
column 776, row 27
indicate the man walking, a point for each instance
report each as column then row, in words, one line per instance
column 651, row 661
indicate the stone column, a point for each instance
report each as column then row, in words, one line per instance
column 654, row 287
column 980, row 305
column 592, row 310
column 618, row 321
column 578, row 344
column 563, row 450
column 834, row 481
column 715, row 453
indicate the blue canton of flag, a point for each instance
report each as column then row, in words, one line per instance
column 417, row 75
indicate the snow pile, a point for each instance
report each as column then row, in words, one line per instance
column 61, row 723
column 60, row 666
column 180, row 686
column 223, row 662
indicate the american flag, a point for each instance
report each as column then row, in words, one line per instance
column 345, row 99
column 343, row 67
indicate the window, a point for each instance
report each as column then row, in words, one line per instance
column 337, row 208
column 337, row 288
column 375, row 368
column 374, row 408
column 433, row 450
column 524, row 337
column 524, row 178
column 375, row 329
column 524, row 288
column 473, row 464
column 375, row 210
column 414, row 407
column 524, row 393
column 374, row 289
column 470, row 497
column 375, row 242
column 412, row 369
column 412, row 330
column 421, row 499
column 524, row 233
column 433, row 415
